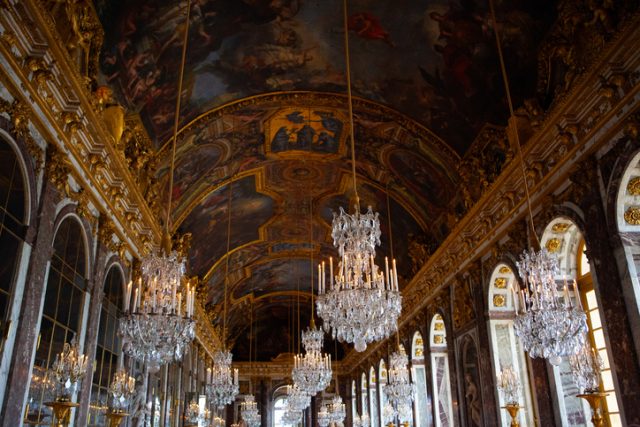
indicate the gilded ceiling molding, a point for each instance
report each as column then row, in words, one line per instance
column 590, row 115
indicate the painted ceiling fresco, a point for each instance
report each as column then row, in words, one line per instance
column 432, row 60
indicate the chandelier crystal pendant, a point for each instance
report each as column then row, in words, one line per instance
column 400, row 391
column 249, row 411
column 547, row 322
column 156, row 329
column 323, row 416
column 222, row 384
column 363, row 303
column 312, row 371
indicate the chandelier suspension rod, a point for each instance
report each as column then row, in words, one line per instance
column 251, row 346
column 298, row 302
column 226, row 267
column 177, row 118
column 313, row 323
column 391, row 248
column 350, row 101
column 505, row 80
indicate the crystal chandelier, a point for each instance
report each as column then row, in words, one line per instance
column 69, row 367
column 323, row 417
column 337, row 410
column 291, row 417
column 121, row 390
column 509, row 385
column 548, row 323
column 249, row 411
column 362, row 305
column 363, row 420
column 586, row 366
column 155, row 328
column 312, row 371
column 222, row 386
column 297, row 399
column 192, row 414
column 400, row 391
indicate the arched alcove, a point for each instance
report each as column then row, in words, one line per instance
column 374, row 406
column 443, row 408
column 418, row 372
column 506, row 349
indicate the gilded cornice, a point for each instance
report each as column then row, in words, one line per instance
column 595, row 110
column 39, row 73
column 279, row 368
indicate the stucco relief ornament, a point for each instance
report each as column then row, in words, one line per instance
column 548, row 323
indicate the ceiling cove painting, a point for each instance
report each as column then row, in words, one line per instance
column 433, row 60
column 251, row 210
column 239, row 138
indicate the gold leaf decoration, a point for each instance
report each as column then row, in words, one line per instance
column 438, row 339
column 500, row 282
column 633, row 187
column 504, row 270
column 419, row 352
column 438, row 326
column 553, row 245
column 560, row 227
column 499, row 300
column 632, row 215
column 419, row 341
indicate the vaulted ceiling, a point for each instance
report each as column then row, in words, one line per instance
column 264, row 123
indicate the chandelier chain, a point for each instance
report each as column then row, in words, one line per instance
column 226, row 266
column 177, row 114
column 350, row 101
column 505, row 80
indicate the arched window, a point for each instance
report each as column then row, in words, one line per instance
column 13, row 219
column 279, row 406
column 354, row 400
column 597, row 335
column 627, row 210
column 373, row 398
column 108, row 348
column 64, row 303
column 506, row 347
column 440, row 373
column 421, row 404
column 563, row 238
column 364, row 399
column 382, row 381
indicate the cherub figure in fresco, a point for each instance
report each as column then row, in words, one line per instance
column 368, row 26
column 196, row 20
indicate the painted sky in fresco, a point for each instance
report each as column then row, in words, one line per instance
column 433, row 60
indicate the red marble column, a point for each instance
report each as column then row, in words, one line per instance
column 28, row 326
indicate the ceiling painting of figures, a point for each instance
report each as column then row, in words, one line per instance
column 433, row 60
